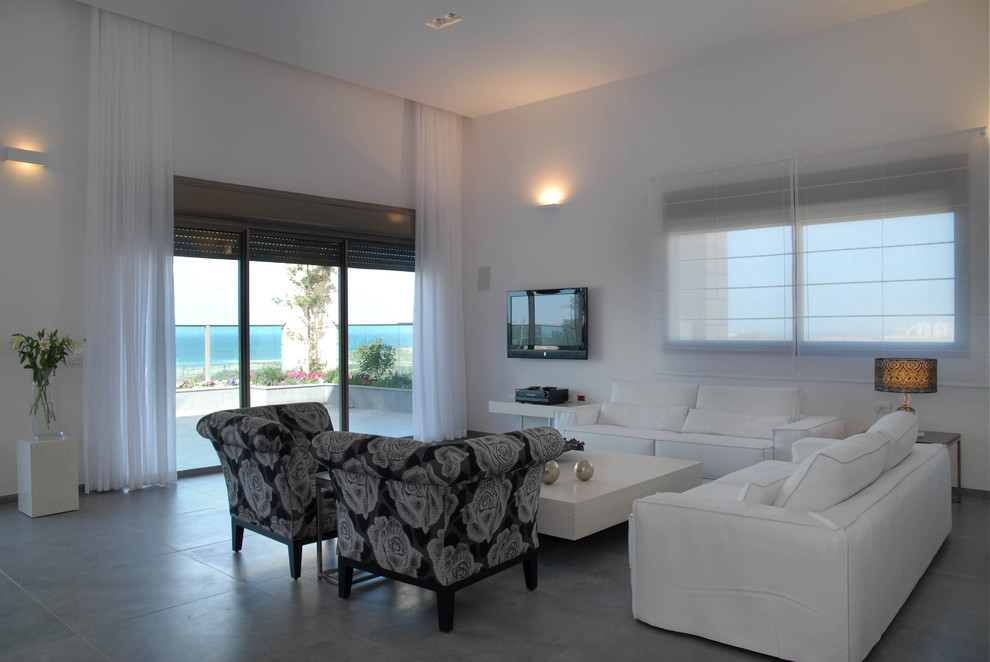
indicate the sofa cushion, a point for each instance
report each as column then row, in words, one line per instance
column 764, row 489
column 901, row 427
column 654, row 394
column 751, row 400
column 704, row 421
column 834, row 473
column 642, row 416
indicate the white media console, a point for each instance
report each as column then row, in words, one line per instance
column 523, row 409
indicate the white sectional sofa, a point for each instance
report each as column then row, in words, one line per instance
column 726, row 428
column 803, row 561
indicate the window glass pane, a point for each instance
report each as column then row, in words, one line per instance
column 919, row 262
column 761, row 302
column 758, row 241
column 843, row 300
column 206, row 356
column 294, row 336
column 926, row 297
column 843, row 329
column 380, row 358
column 842, row 235
column 696, row 246
column 730, row 286
column 921, row 229
column 758, row 271
column 919, row 330
column 849, row 266
column 762, row 330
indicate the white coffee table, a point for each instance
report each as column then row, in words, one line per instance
column 573, row 509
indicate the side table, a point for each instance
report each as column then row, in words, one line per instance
column 47, row 476
column 947, row 439
column 330, row 574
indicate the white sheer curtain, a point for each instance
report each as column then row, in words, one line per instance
column 439, row 401
column 129, row 376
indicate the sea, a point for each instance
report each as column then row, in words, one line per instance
column 190, row 345
column 266, row 342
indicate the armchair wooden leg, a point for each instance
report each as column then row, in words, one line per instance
column 445, row 610
column 345, row 577
column 236, row 537
column 295, row 559
column 529, row 570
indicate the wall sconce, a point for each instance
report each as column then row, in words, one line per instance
column 25, row 156
column 551, row 197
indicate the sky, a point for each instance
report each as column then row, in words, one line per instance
column 206, row 293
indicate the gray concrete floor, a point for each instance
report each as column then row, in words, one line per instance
column 195, row 452
column 149, row 575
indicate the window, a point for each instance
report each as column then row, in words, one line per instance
column 873, row 251
column 889, row 280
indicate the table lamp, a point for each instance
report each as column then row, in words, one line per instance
column 906, row 376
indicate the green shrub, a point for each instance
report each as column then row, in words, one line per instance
column 377, row 358
column 270, row 374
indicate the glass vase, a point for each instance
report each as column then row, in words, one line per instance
column 44, row 425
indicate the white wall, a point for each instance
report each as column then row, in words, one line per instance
column 243, row 119
column 914, row 73
column 44, row 55
column 238, row 118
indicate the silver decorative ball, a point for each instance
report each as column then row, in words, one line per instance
column 551, row 472
column 584, row 470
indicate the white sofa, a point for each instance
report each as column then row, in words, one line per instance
column 726, row 428
column 802, row 561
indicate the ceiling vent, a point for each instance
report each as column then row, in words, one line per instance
column 444, row 21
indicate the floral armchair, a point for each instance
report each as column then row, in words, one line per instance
column 439, row 516
column 269, row 469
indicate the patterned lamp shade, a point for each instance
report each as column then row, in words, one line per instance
column 906, row 375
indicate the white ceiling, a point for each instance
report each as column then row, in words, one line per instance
column 505, row 53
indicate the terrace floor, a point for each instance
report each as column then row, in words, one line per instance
column 195, row 452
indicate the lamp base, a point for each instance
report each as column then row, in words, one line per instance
column 906, row 406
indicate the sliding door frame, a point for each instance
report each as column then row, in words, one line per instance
column 241, row 209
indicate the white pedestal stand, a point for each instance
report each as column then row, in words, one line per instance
column 47, row 476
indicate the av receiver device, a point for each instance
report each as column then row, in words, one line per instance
column 541, row 395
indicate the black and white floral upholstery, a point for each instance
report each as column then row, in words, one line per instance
column 265, row 454
column 440, row 516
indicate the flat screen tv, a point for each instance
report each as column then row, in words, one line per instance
column 548, row 324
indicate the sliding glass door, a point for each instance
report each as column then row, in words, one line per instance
column 379, row 350
column 294, row 303
column 206, row 271
column 267, row 317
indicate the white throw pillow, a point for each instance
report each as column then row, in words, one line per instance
column 901, row 427
column 834, row 473
column 704, row 421
column 639, row 416
column 765, row 488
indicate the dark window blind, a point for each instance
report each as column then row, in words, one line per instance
column 373, row 255
column 195, row 242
